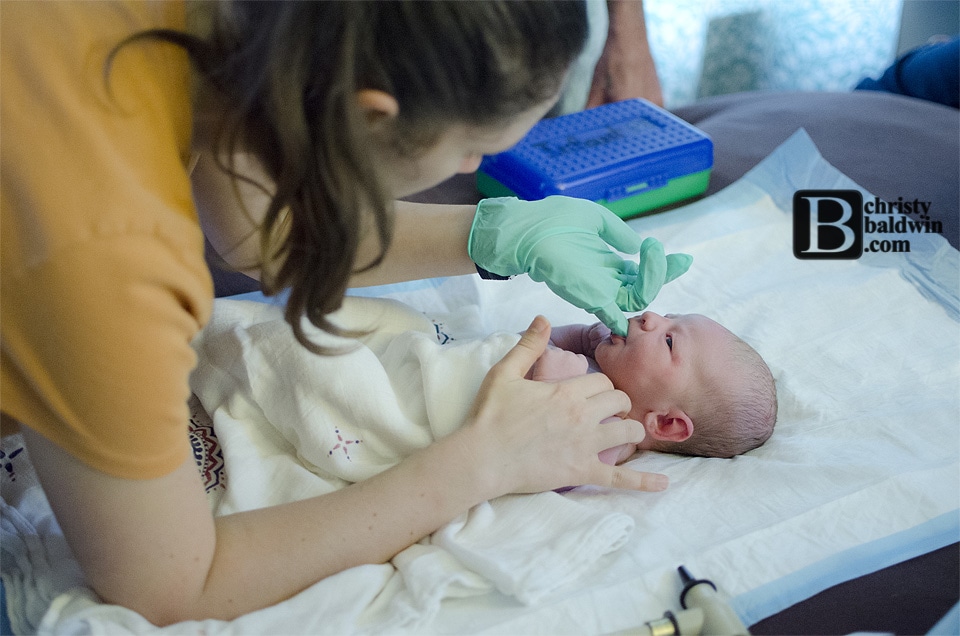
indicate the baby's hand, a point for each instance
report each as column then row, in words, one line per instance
column 594, row 335
column 557, row 364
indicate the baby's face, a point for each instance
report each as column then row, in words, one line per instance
column 664, row 359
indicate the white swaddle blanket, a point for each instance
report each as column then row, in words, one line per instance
column 344, row 418
column 348, row 416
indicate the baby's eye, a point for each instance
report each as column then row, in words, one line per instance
column 670, row 342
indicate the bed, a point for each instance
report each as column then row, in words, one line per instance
column 859, row 481
column 893, row 146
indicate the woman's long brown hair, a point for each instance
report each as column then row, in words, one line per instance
column 288, row 74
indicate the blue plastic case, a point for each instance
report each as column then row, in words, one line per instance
column 630, row 156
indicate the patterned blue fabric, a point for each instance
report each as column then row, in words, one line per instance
column 714, row 47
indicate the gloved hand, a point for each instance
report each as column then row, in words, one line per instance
column 565, row 242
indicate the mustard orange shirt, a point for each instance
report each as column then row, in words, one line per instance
column 102, row 278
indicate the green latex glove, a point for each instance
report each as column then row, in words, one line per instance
column 565, row 243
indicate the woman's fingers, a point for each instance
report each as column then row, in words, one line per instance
column 614, row 431
column 613, row 476
column 518, row 361
column 543, row 435
column 597, row 385
column 628, row 479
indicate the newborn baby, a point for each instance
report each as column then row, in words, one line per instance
column 697, row 388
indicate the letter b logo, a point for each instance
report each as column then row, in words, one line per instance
column 827, row 224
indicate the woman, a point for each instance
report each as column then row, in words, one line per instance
column 303, row 124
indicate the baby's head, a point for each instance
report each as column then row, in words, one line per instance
column 697, row 387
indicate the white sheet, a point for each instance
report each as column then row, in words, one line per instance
column 862, row 470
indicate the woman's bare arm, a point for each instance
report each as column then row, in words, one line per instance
column 153, row 545
column 429, row 239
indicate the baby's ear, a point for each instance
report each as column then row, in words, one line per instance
column 672, row 425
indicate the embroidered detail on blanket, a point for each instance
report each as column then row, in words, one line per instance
column 206, row 448
column 343, row 444
column 442, row 336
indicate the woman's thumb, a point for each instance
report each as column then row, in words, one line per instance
column 533, row 342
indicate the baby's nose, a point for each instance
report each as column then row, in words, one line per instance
column 649, row 320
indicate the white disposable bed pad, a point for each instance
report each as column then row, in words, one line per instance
column 861, row 472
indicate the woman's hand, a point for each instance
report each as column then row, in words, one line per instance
column 566, row 243
column 535, row 436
